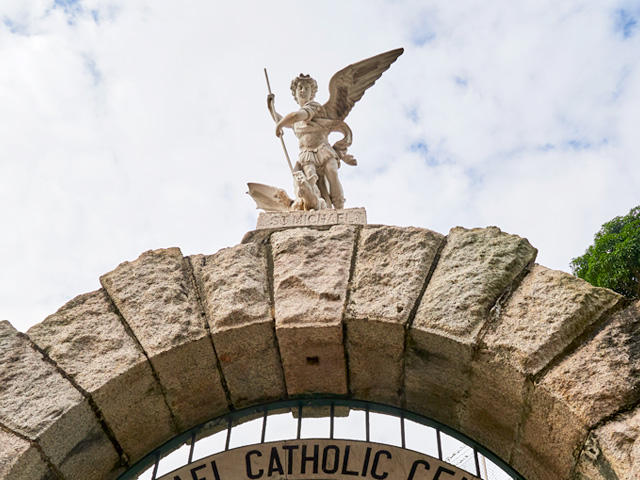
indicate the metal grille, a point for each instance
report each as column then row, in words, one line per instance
column 323, row 418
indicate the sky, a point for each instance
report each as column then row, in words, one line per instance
column 129, row 125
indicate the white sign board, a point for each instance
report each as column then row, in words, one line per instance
column 319, row 460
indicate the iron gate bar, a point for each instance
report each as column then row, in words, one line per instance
column 331, row 418
column 299, row 421
column 366, row 425
column 318, row 401
column 192, row 447
column 404, row 442
column 155, row 467
column 226, row 444
column 264, row 425
column 475, row 455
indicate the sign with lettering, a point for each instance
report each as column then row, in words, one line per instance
column 300, row 218
column 319, row 460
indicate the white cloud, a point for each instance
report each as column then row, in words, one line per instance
column 129, row 125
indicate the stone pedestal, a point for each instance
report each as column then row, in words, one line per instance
column 347, row 216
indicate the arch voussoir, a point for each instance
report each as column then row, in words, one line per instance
column 391, row 268
column 540, row 320
column 87, row 339
column 235, row 291
column 475, row 268
column 311, row 270
column 612, row 451
column 41, row 405
column 156, row 297
column 592, row 388
column 21, row 459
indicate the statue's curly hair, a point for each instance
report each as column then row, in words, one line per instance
column 307, row 79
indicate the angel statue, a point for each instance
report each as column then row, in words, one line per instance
column 315, row 174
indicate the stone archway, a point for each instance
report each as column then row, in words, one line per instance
column 534, row 364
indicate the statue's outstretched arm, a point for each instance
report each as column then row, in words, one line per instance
column 289, row 119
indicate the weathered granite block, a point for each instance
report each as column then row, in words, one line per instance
column 88, row 341
column 39, row 403
column 19, row 460
column 311, row 274
column 550, row 439
column 598, row 380
column 235, row 292
column 592, row 465
column 601, row 377
column 494, row 382
column 391, row 268
column 156, row 296
column 612, row 451
column 547, row 312
column 476, row 267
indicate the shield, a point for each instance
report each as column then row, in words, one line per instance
column 268, row 198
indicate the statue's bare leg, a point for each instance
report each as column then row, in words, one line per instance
column 324, row 191
column 335, row 187
column 309, row 171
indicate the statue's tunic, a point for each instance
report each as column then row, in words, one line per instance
column 314, row 137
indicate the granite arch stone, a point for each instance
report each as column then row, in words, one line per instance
column 539, row 367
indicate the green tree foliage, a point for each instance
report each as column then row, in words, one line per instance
column 613, row 261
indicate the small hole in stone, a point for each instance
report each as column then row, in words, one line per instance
column 313, row 360
column 399, row 308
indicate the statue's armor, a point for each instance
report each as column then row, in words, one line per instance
column 313, row 138
column 317, row 155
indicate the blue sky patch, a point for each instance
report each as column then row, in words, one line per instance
column 10, row 25
column 461, row 81
column 93, row 70
column 413, row 115
column 579, row 144
column 422, row 30
column 70, row 7
column 476, row 179
column 14, row 27
column 626, row 23
column 420, row 147
column 66, row 3
column 584, row 144
column 621, row 83
column 546, row 147
column 422, row 37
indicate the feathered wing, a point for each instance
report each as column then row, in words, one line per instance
column 349, row 84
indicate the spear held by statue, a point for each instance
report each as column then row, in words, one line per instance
column 274, row 114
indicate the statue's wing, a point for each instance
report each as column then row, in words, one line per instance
column 349, row 84
column 268, row 198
